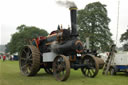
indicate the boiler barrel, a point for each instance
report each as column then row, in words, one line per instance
column 71, row 46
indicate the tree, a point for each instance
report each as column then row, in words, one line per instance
column 22, row 37
column 93, row 23
column 125, row 47
column 124, row 38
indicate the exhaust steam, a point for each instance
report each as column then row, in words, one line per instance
column 66, row 3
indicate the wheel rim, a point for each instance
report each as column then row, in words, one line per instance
column 29, row 60
column 91, row 69
column 61, row 68
column 112, row 71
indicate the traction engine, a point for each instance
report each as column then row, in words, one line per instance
column 57, row 53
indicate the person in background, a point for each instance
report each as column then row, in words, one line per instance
column 4, row 58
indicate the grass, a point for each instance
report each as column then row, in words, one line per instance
column 10, row 75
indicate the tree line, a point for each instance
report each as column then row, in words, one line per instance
column 22, row 37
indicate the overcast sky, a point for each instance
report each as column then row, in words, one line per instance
column 46, row 14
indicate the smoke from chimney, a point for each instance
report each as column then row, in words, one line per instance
column 73, row 11
column 66, row 3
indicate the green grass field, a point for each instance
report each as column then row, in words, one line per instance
column 10, row 75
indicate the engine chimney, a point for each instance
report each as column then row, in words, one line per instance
column 73, row 11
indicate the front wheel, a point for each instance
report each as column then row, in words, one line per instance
column 61, row 68
column 91, row 67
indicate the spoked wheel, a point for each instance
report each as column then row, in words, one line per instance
column 48, row 67
column 29, row 60
column 61, row 68
column 48, row 70
column 91, row 66
column 112, row 71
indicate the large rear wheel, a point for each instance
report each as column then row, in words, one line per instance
column 61, row 68
column 29, row 60
column 91, row 66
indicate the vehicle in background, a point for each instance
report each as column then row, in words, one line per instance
column 15, row 57
column 119, row 63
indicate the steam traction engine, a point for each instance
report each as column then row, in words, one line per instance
column 57, row 53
